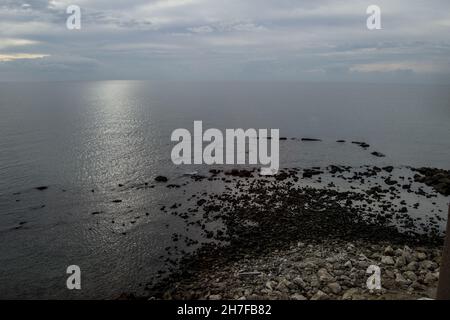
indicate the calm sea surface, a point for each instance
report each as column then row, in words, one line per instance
column 76, row 137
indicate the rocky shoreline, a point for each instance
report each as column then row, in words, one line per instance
column 317, row 271
column 281, row 240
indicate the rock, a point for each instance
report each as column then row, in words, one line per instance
column 297, row 296
column 270, row 284
column 309, row 173
column 215, row 297
column 362, row 264
column 400, row 261
column 410, row 275
column 350, row 294
column 348, row 264
column 41, row 188
column 400, row 279
column 407, row 255
column 335, row 287
column 378, row 154
column 403, row 210
column 298, row 281
column 389, row 251
column 324, row 276
column 239, row 173
column 283, row 286
column 320, row 295
column 430, row 278
column 389, row 274
column 417, row 286
column 387, row 260
column 412, row 266
column 390, row 182
column 167, row 295
column 247, row 292
column 161, row 179
column 388, row 168
column 427, row 265
column 421, row 256
column 310, row 139
column 361, row 144
column 314, row 281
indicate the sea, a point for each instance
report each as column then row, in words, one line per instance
column 91, row 143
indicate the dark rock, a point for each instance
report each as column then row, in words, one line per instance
column 308, row 173
column 239, row 173
column 161, row 179
column 378, row 154
column 361, row 144
column 335, row 169
column 388, row 168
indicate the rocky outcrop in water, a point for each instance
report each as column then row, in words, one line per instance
column 439, row 179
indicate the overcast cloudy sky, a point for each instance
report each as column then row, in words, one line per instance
column 322, row 40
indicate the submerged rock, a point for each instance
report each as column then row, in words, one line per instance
column 161, row 179
column 239, row 173
column 361, row 144
column 378, row 154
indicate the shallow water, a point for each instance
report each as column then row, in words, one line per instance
column 76, row 137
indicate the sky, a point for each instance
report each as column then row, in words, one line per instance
column 226, row 40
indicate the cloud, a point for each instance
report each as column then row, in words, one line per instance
column 21, row 56
column 215, row 39
column 201, row 29
column 11, row 42
column 410, row 66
